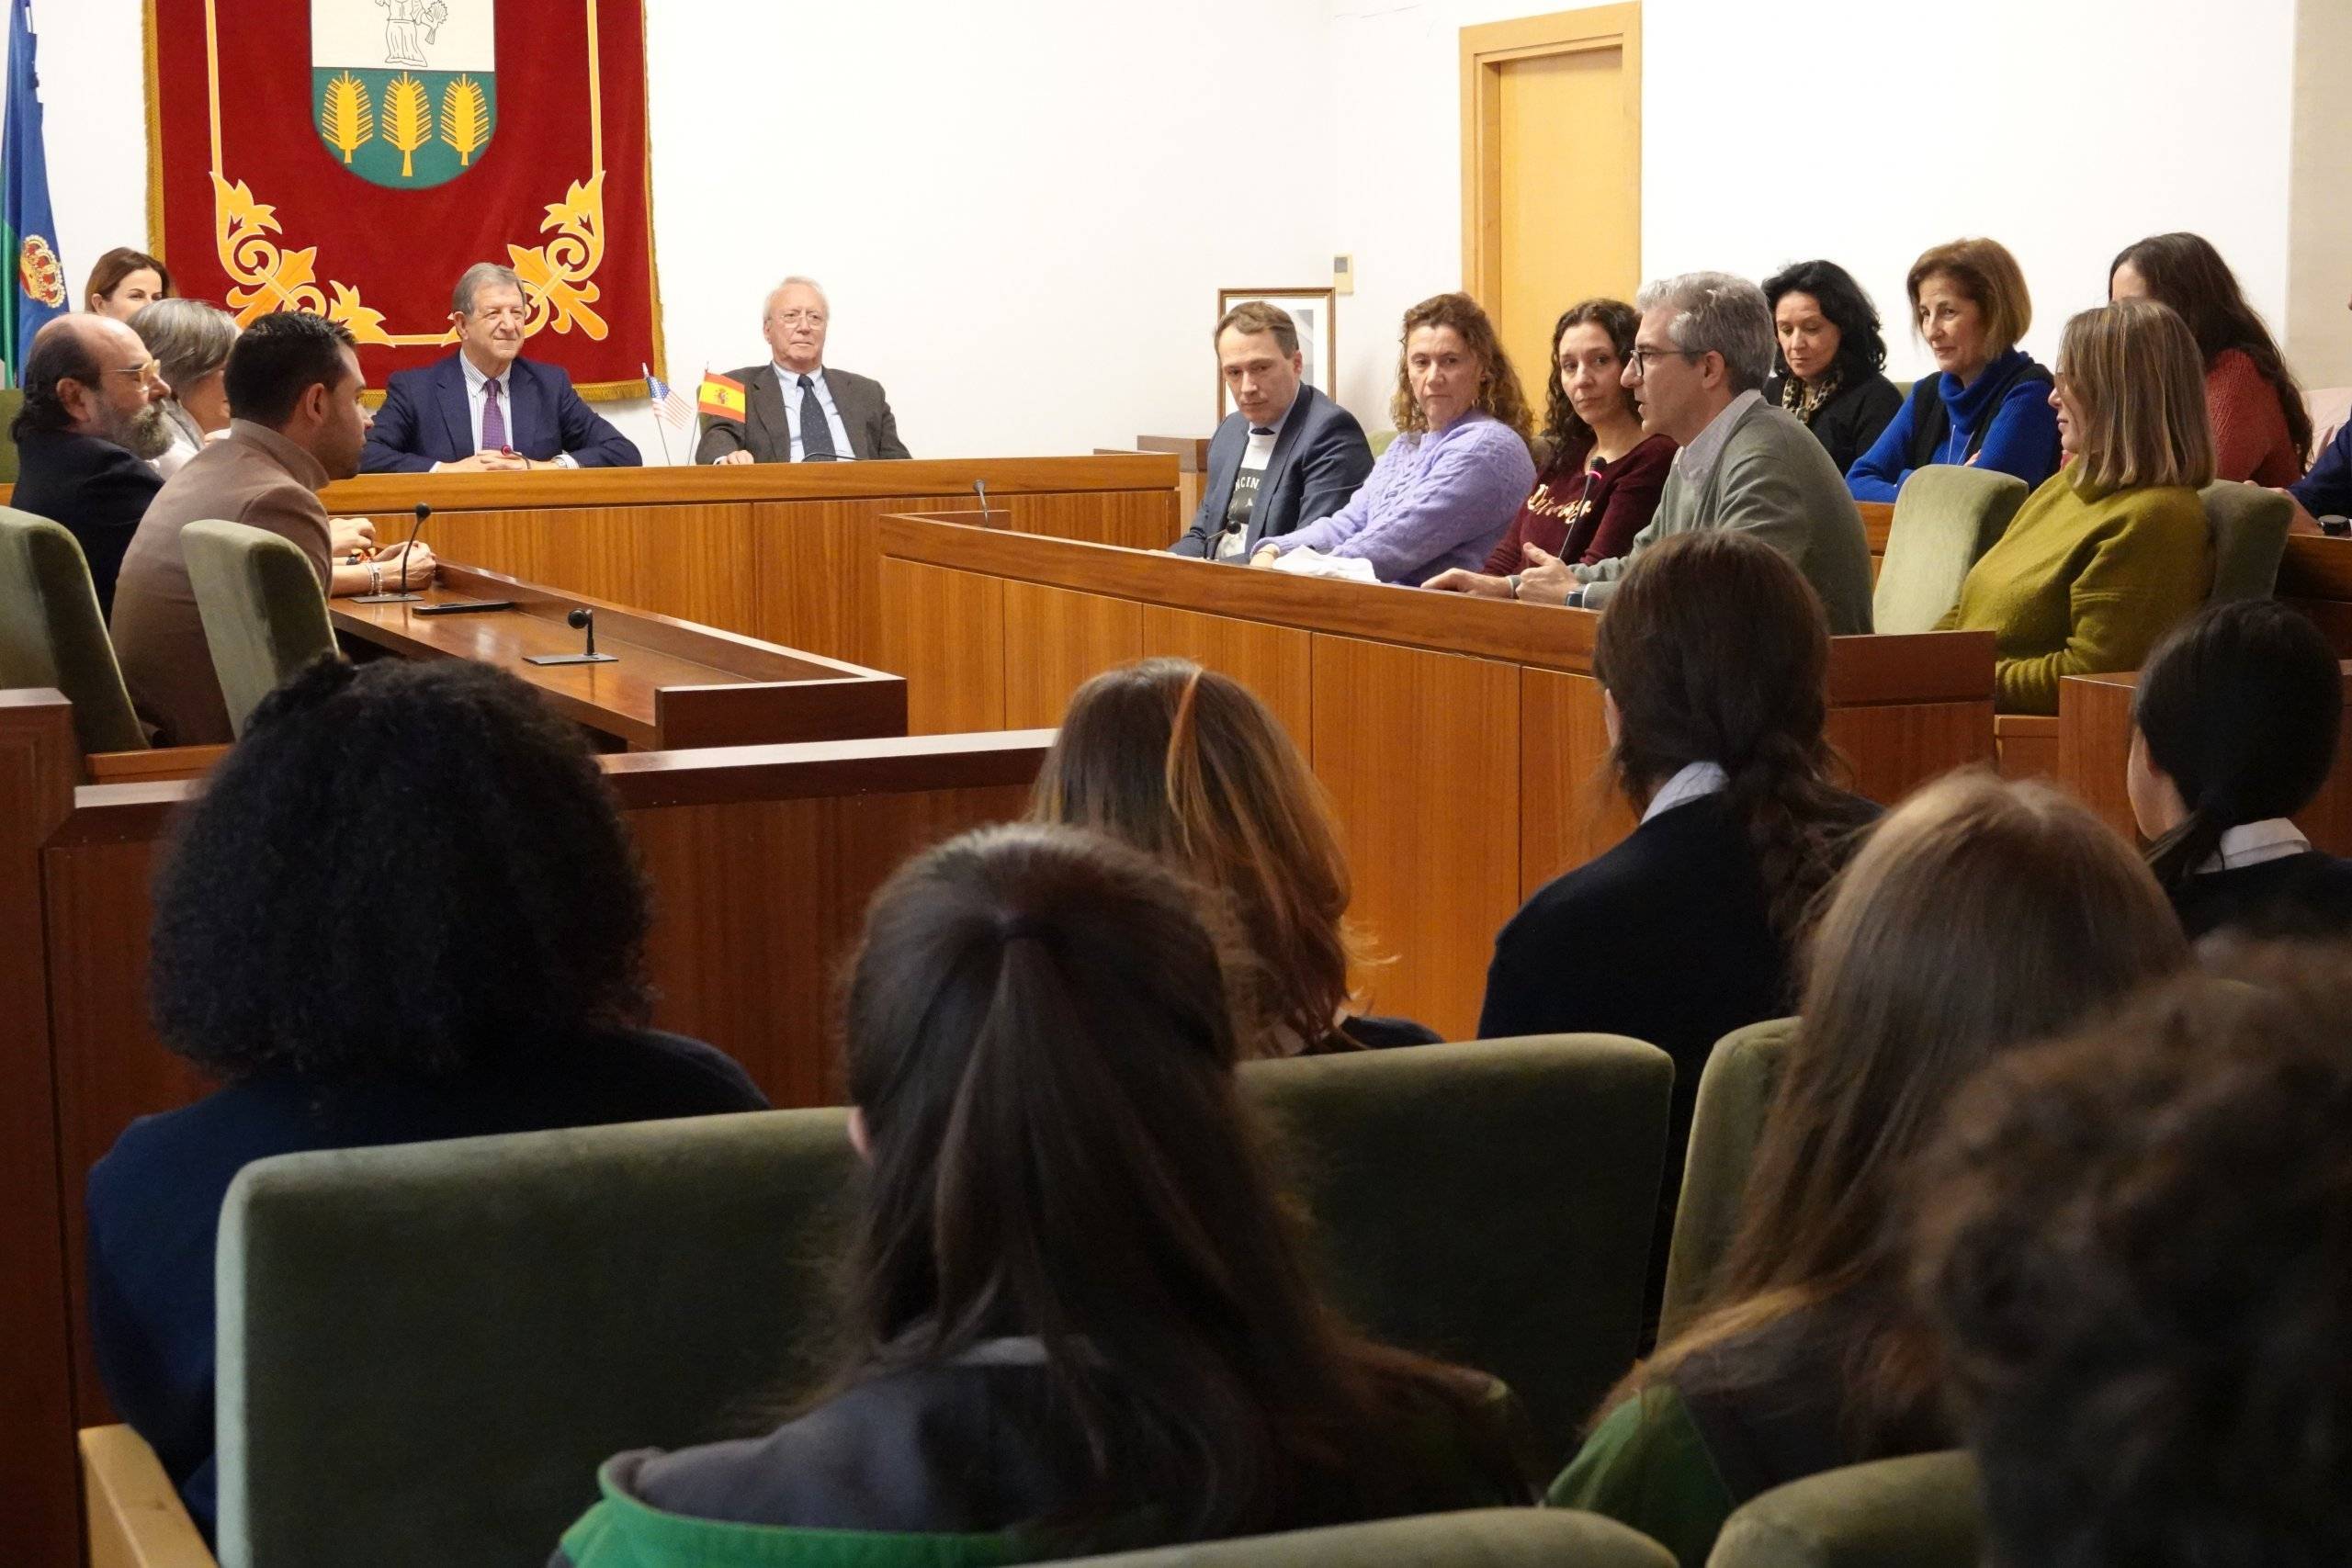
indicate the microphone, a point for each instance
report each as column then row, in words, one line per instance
column 980, row 489
column 584, row 619
column 403, row 596
column 580, row 619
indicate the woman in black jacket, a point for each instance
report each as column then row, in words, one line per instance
column 1828, row 370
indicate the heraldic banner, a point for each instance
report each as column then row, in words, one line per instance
column 352, row 157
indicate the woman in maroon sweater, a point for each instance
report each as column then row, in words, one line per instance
column 2262, row 433
column 1603, row 476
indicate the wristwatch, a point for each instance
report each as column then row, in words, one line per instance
column 1576, row 598
column 1513, row 580
column 375, row 577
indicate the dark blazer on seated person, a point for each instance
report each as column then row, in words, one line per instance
column 426, row 419
column 939, row 1465
column 766, row 431
column 1320, row 458
column 154, row 1200
column 2301, row 893
column 92, row 488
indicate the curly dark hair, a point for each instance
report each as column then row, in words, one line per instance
column 401, row 869
column 1861, row 347
column 2137, row 1245
column 1566, row 433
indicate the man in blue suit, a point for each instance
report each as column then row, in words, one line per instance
column 485, row 407
column 1287, row 456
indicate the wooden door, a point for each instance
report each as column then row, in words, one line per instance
column 1551, row 171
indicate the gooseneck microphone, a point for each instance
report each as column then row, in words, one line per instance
column 402, row 596
column 583, row 619
column 580, row 619
column 980, row 489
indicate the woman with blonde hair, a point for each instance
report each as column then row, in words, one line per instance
column 1983, row 404
column 1189, row 767
column 2113, row 549
column 1446, row 489
column 1979, row 918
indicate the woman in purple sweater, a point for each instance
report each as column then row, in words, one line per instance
column 1449, row 484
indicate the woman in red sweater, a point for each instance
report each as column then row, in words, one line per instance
column 1602, row 477
column 2262, row 433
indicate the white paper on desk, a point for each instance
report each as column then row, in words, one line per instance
column 1305, row 562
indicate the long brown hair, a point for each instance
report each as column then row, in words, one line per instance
column 1716, row 650
column 1566, row 433
column 2132, row 371
column 1188, row 766
column 2186, row 272
column 1979, row 917
column 1039, row 1043
column 1498, row 389
column 117, row 265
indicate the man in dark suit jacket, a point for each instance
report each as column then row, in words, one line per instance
column 857, row 422
column 90, row 421
column 1287, row 457
column 485, row 407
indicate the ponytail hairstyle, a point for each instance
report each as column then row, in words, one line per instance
column 1039, row 1043
column 1188, row 766
column 2239, row 707
column 1716, row 650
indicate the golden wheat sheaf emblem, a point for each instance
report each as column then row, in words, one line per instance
column 404, row 93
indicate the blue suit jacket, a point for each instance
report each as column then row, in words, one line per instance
column 425, row 420
column 1319, row 459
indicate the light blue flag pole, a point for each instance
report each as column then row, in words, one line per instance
column 38, row 296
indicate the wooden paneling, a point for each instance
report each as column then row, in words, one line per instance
column 1065, row 640
column 38, row 762
column 819, row 582
column 1894, row 748
column 945, row 633
column 1569, row 806
column 2026, row 745
column 1274, row 662
column 1419, row 751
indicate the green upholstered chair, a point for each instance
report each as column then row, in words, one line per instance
column 425, row 1351
column 1947, row 515
column 1735, row 1089
column 264, row 614
column 1921, row 1512
column 12, row 403
column 1381, row 441
column 1486, row 1537
column 51, row 633
column 2249, row 526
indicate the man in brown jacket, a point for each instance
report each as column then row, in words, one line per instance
column 295, row 423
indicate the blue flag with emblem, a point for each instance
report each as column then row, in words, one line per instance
column 31, row 233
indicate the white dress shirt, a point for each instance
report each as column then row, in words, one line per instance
column 2251, row 843
column 790, row 381
column 477, row 401
column 1689, row 781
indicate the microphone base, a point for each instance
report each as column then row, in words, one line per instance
column 386, row 598
column 572, row 659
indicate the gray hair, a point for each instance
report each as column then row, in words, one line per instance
column 462, row 298
column 769, row 308
column 1715, row 312
column 189, row 338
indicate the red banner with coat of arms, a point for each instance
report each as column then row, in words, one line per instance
column 352, row 157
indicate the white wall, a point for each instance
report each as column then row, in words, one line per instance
column 1024, row 211
column 1777, row 129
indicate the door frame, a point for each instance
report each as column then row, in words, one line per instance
column 1485, row 50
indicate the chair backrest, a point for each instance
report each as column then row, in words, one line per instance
column 51, row 633
column 1726, row 1123
column 264, row 614
column 2249, row 526
column 1484, row 1538
column 426, row 1352
column 1946, row 516
column 1921, row 1512
column 12, row 403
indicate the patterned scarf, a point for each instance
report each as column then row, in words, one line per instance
column 1803, row 398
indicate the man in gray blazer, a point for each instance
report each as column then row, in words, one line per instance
column 1287, row 457
column 781, row 396
column 1703, row 349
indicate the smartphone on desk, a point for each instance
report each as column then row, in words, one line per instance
column 465, row 607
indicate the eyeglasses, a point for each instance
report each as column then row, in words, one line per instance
column 1640, row 358
column 795, row 317
column 147, row 370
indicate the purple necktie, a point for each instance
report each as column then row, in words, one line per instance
column 494, row 422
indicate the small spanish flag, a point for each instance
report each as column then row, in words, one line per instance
column 721, row 397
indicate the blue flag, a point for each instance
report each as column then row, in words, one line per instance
column 27, row 229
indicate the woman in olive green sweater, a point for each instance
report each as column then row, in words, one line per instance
column 1933, row 957
column 2113, row 548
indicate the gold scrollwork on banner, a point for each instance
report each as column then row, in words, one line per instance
column 556, row 276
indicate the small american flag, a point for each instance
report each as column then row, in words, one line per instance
column 672, row 406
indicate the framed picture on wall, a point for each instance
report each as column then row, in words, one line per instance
column 1313, row 310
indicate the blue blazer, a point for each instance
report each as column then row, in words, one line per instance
column 1319, row 459
column 425, row 420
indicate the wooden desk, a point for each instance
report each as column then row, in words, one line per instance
column 780, row 551
column 675, row 684
column 761, row 860
column 2095, row 744
column 1460, row 740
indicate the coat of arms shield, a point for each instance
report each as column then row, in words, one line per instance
column 404, row 93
